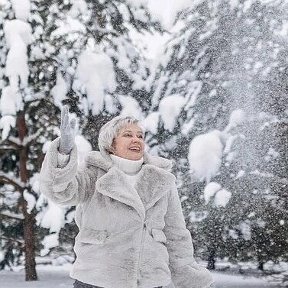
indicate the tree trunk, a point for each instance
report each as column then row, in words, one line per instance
column 29, row 218
column 211, row 260
column 261, row 265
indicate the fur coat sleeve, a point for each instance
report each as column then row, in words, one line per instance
column 186, row 273
column 65, row 185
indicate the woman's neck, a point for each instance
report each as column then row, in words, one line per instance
column 130, row 167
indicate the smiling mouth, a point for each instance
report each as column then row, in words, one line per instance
column 135, row 149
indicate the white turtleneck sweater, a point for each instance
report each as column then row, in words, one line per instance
column 131, row 168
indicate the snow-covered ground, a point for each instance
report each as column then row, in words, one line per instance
column 57, row 277
column 238, row 281
column 49, row 277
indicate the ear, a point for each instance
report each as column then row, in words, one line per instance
column 111, row 150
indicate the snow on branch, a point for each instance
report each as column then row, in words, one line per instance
column 12, row 215
column 276, row 178
column 10, row 101
column 7, row 179
column 20, row 241
column 18, row 35
column 279, row 209
column 169, row 109
column 13, row 143
column 6, row 123
column 21, row 9
column 95, row 74
column 31, row 138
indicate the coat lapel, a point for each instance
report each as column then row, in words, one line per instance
column 115, row 185
column 153, row 183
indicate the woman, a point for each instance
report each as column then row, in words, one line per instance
column 131, row 228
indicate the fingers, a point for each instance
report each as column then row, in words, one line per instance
column 73, row 124
column 64, row 116
column 65, row 121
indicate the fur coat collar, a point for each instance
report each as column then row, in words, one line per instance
column 154, row 180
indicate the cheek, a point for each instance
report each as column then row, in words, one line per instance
column 121, row 145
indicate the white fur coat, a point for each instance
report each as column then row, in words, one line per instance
column 123, row 241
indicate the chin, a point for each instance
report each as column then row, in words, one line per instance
column 134, row 157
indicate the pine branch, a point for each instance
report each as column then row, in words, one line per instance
column 12, row 215
column 7, row 179
column 14, row 143
column 32, row 138
column 11, row 143
column 271, row 176
column 12, row 239
column 285, row 211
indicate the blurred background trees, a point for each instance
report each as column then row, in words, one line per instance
column 215, row 102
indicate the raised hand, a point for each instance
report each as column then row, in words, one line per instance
column 67, row 130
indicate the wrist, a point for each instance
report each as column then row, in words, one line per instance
column 64, row 152
column 64, row 149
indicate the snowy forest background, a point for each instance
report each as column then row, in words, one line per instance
column 209, row 80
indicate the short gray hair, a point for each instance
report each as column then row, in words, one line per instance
column 111, row 129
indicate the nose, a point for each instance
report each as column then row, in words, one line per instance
column 136, row 139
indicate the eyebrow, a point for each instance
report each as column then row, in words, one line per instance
column 139, row 131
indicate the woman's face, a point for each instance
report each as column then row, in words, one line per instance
column 129, row 143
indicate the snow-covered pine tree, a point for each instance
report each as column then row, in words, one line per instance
column 14, row 89
column 98, row 66
column 214, row 84
column 72, row 52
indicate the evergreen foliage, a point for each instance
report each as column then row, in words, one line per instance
column 223, row 75
column 226, row 58
column 61, row 32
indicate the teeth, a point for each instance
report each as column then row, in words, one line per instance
column 135, row 148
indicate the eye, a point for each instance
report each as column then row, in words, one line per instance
column 140, row 136
column 127, row 135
